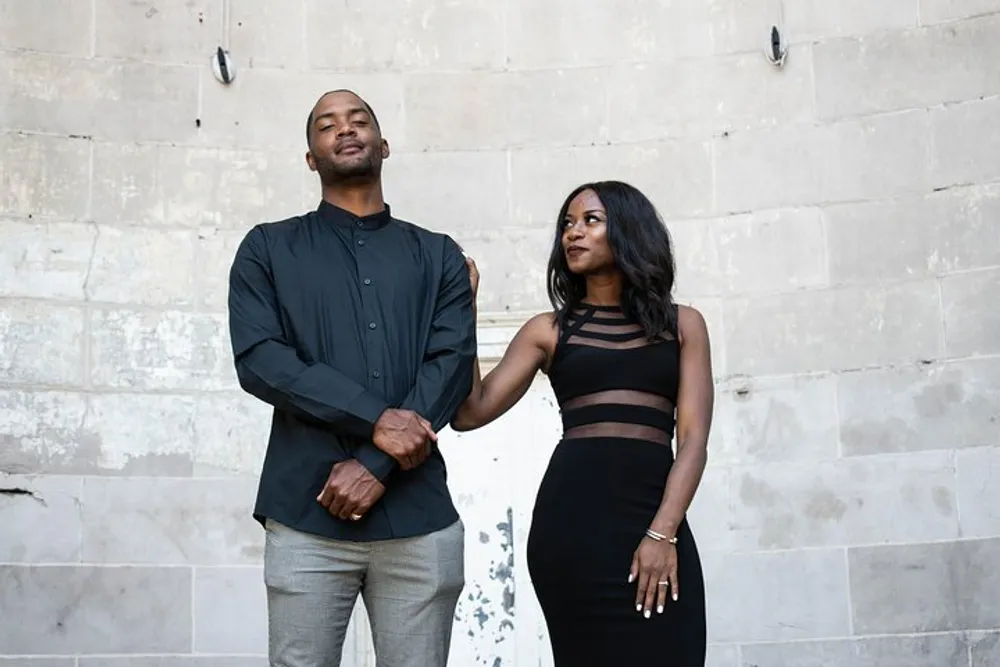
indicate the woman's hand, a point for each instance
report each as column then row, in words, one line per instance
column 473, row 275
column 654, row 569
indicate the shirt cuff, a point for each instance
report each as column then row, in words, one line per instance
column 377, row 462
column 369, row 408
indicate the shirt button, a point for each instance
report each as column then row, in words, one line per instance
column 371, row 325
column 361, row 242
column 375, row 374
column 360, row 224
column 368, row 281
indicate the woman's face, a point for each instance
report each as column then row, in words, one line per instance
column 585, row 235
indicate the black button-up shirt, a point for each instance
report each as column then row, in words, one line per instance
column 334, row 318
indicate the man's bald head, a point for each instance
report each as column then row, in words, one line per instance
column 361, row 100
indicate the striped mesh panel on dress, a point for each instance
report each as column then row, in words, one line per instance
column 615, row 413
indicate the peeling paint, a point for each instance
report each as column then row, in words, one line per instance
column 486, row 610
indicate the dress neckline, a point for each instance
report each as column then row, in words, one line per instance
column 593, row 306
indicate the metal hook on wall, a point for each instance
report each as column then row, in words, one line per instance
column 776, row 53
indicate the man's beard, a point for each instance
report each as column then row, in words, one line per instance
column 363, row 170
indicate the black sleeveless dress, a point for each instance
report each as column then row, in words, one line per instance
column 603, row 485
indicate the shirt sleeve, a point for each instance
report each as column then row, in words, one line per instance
column 271, row 369
column 445, row 376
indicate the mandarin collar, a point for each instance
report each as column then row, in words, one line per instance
column 344, row 218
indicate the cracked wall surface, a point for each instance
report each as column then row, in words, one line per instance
column 837, row 221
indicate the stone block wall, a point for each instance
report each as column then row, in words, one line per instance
column 837, row 221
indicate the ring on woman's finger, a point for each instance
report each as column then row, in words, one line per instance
column 664, row 583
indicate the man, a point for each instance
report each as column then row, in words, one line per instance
column 358, row 328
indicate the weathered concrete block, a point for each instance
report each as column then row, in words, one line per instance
column 143, row 265
column 214, row 252
column 171, row 661
column 150, row 184
column 265, row 34
column 419, row 35
column 711, row 512
column 913, row 408
column 171, row 521
column 722, row 655
column 759, row 420
column 811, row 20
column 938, row 11
column 45, row 260
column 557, row 107
column 41, row 343
column 696, row 255
column 243, row 114
column 966, row 140
column 917, row 651
column 457, row 111
column 67, row 433
column 744, row 25
column 512, row 264
column 851, row 501
column 771, row 251
column 985, row 649
column 561, row 34
column 900, row 239
column 44, row 176
column 971, row 319
column 142, row 435
column 29, row 502
column 925, row 587
column 160, row 350
column 177, row 33
column 446, row 192
column 979, row 491
column 41, row 432
column 675, row 175
column 795, row 165
column 69, row 610
column 51, row 26
column 706, row 96
column 231, row 433
column 99, row 98
column 907, row 69
column 465, row 111
column 230, row 611
column 777, row 596
column 790, row 333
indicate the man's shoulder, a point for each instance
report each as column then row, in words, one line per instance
column 439, row 239
column 283, row 226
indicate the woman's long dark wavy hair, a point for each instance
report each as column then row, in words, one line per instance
column 642, row 251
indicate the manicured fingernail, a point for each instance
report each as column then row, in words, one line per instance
column 659, row 610
column 638, row 607
column 630, row 578
column 646, row 614
column 675, row 597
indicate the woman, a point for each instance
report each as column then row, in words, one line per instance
column 612, row 559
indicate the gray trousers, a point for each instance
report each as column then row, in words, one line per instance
column 410, row 589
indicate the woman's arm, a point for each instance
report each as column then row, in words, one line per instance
column 507, row 383
column 655, row 560
column 504, row 386
column 695, row 402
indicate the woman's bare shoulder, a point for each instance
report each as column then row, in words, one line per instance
column 690, row 324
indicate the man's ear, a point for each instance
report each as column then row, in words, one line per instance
column 385, row 149
column 311, row 161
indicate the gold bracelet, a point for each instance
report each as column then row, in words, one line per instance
column 653, row 535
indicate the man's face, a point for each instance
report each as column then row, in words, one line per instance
column 345, row 144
